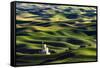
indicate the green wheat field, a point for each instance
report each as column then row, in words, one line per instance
column 69, row 33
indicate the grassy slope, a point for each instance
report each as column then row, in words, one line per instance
column 67, row 41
